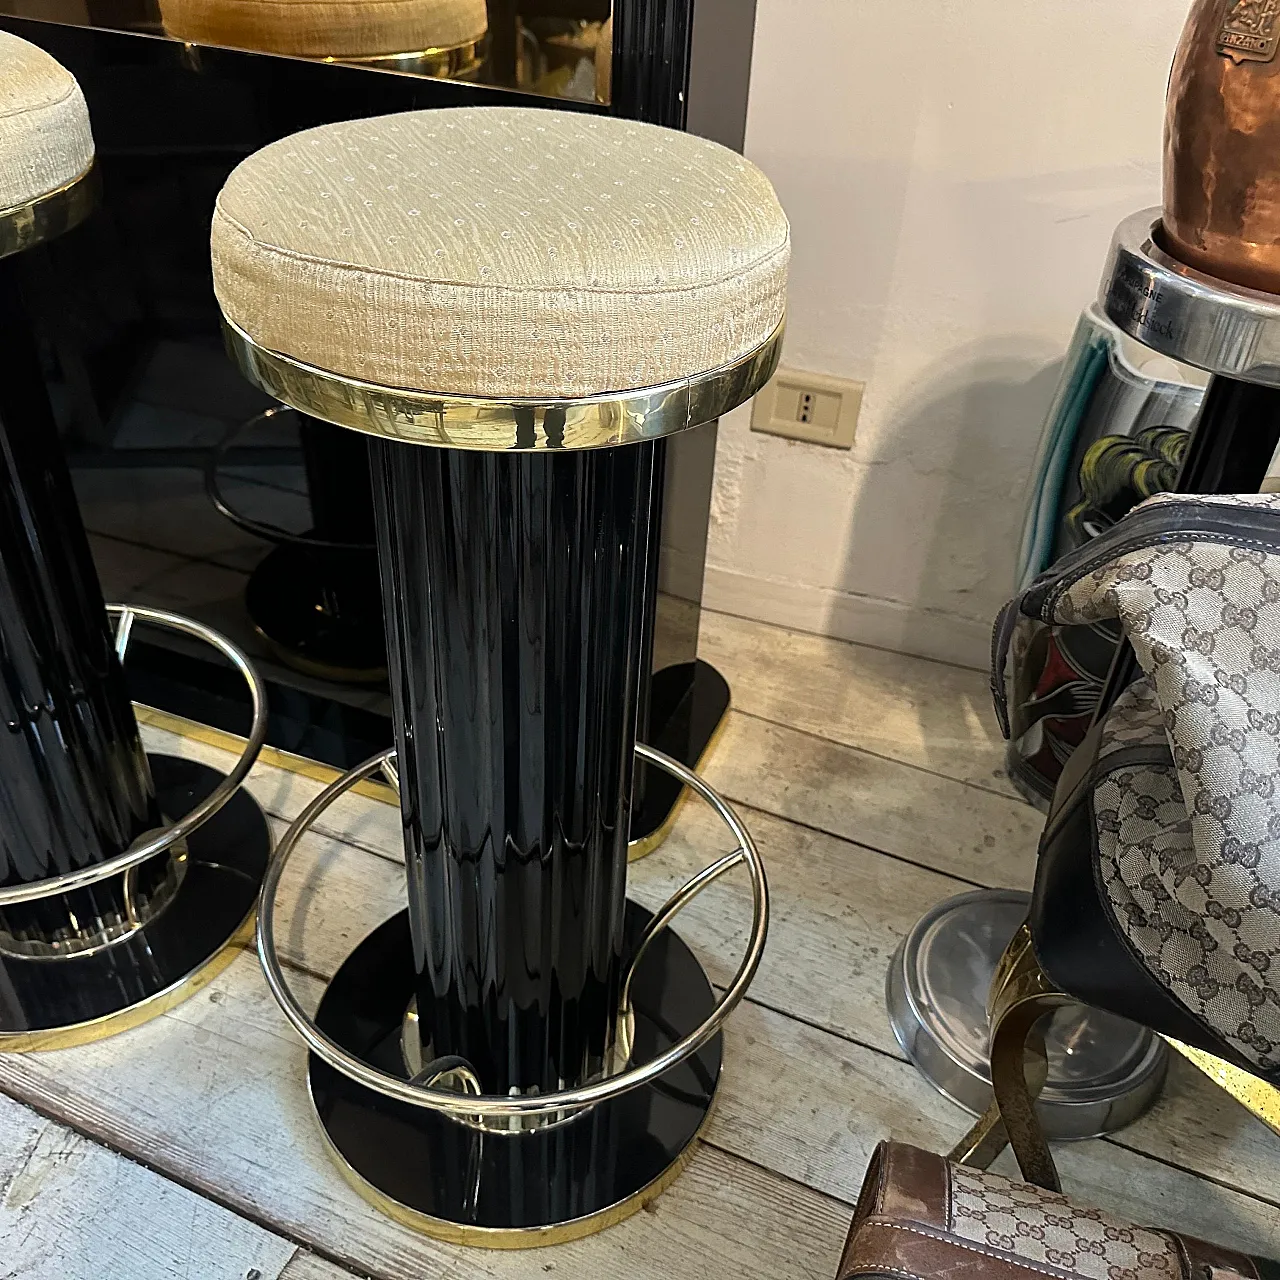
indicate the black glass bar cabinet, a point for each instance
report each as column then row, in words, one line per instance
column 203, row 495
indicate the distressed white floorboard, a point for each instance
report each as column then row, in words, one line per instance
column 214, row 1094
column 838, row 910
column 874, row 787
column 910, row 812
column 910, row 709
column 71, row 1209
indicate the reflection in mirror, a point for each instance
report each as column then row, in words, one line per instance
column 442, row 37
column 555, row 48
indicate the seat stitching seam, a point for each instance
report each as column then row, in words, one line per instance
column 637, row 290
column 30, row 108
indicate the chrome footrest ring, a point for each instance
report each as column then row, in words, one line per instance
column 152, row 844
column 493, row 1112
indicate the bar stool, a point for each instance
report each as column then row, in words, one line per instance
column 127, row 880
column 514, row 306
column 314, row 597
column 432, row 37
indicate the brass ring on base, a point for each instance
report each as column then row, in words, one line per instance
column 523, row 1170
column 219, row 850
column 48, row 216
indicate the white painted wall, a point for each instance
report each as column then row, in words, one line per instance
column 953, row 171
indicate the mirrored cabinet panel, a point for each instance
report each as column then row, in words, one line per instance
column 202, row 494
column 560, row 49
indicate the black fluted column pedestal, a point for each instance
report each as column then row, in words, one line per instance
column 518, row 610
column 518, row 563
column 516, row 590
column 315, row 598
column 76, row 787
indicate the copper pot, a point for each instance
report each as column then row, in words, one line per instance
column 1222, row 143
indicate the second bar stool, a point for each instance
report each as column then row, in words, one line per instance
column 128, row 878
column 516, row 307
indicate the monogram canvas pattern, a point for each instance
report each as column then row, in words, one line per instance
column 1204, row 620
column 1145, row 844
column 1043, row 1228
column 1135, row 721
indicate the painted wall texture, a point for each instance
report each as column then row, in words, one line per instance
column 953, row 171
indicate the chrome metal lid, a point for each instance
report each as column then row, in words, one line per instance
column 1181, row 312
column 1103, row 1071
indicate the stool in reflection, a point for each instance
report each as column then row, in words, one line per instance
column 433, row 37
column 125, row 879
column 314, row 598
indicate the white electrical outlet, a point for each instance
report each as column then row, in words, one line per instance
column 808, row 406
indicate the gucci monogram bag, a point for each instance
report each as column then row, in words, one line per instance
column 921, row 1218
column 1158, row 886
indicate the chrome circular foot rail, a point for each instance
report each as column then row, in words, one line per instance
column 148, row 846
column 497, row 1112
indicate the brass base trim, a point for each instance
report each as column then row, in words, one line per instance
column 511, row 1238
column 24, row 226
column 642, row 848
column 320, row 670
column 135, row 1015
column 181, row 727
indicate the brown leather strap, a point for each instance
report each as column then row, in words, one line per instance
column 919, row 1253
column 1205, row 1261
column 916, row 1186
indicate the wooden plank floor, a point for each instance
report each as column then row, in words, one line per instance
column 873, row 783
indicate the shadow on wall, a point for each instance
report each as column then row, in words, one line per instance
column 957, row 455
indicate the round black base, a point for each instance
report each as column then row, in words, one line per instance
column 51, row 1003
column 321, row 612
column 512, row 1191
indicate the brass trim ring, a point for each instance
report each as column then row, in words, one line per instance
column 442, row 63
column 528, row 426
column 23, row 226
column 510, row 1238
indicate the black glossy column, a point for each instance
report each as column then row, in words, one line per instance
column 75, row 788
column 1235, row 437
column 515, row 588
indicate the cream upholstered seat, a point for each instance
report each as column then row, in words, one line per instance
column 328, row 28
column 45, row 140
column 502, row 252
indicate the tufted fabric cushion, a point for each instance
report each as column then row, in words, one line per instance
column 45, row 141
column 502, row 252
column 327, row 28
